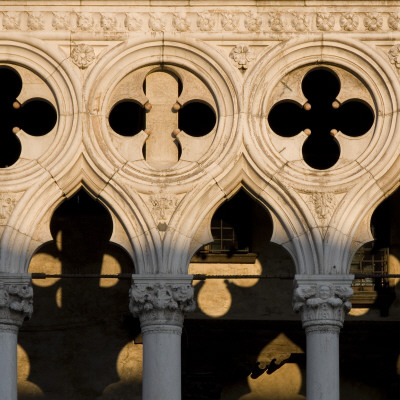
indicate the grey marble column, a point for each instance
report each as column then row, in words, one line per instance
column 16, row 296
column 160, row 302
column 322, row 301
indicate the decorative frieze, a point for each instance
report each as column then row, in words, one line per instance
column 158, row 301
column 16, row 299
column 212, row 20
column 322, row 300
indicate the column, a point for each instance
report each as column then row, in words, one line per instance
column 160, row 302
column 322, row 301
column 16, row 296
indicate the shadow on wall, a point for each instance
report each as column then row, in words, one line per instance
column 78, row 344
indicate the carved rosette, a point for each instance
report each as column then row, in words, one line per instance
column 322, row 301
column 161, row 301
column 16, row 300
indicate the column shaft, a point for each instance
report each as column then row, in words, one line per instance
column 322, row 365
column 162, row 363
column 8, row 362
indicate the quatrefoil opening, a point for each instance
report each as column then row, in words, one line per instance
column 321, row 117
column 163, row 111
column 34, row 116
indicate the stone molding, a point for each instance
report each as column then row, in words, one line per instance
column 322, row 301
column 16, row 299
column 203, row 21
column 161, row 300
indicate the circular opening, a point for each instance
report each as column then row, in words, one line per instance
column 10, row 83
column 286, row 118
column 37, row 117
column 196, row 118
column 320, row 85
column 355, row 118
column 127, row 118
column 10, row 149
column 321, row 151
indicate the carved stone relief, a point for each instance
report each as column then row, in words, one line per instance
column 7, row 204
column 206, row 21
column 82, row 55
column 242, row 55
column 161, row 302
column 322, row 305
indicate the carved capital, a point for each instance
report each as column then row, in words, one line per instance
column 322, row 300
column 161, row 299
column 16, row 298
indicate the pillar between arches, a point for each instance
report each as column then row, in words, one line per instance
column 16, row 305
column 323, row 301
column 160, row 302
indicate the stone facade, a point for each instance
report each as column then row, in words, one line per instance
column 162, row 111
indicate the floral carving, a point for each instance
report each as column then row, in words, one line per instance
column 252, row 21
column 156, row 22
column 394, row 55
column 11, row 20
column 349, row 21
column 300, row 22
column 108, row 22
column 394, row 21
column 229, row 21
column 206, row 21
column 325, row 21
column 61, row 21
column 16, row 302
column 322, row 304
column 180, row 22
column 373, row 21
column 82, row 55
column 275, row 21
column 85, row 21
column 35, row 22
column 161, row 302
column 7, row 204
column 242, row 55
column 163, row 205
column 132, row 22
column 323, row 204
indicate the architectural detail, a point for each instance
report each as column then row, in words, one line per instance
column 108, row 22
column 82, row 55
column 164, row 205
column 161, row 302
column 132, row 22
column 11, row 20
column 373, row 21
column 229, row 21
column 16, row 299
column 252, row 21
column 157, row 22
column 242, row 55
column 7, row 204
column 300, row 21
column 394, row 55
column 323, row 205
column 394, row 21
column 35, row 22
column 349, row 21
column 206, row 21
column 61, row 21
column 85, row 21
column 325, row 21
column 181, row 22
column 322, row 303
column 275, row 21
